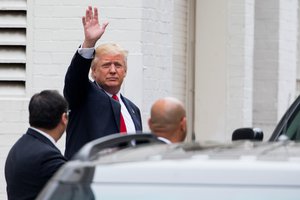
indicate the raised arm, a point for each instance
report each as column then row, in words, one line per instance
column 92, row 29
column 76, row 79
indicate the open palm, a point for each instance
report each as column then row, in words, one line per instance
column 92, row 29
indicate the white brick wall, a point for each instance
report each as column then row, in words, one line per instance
column 145, row 28
column 223, row 77
column 155, row 34
column 241, row 34
column 57, row 32
column 13, row 119
column 274, row 61
column 157, row 39
column 179, row 50
column 265, row 64
column 240, row 65
column 287, row 73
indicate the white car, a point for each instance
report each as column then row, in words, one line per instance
column 240, row 170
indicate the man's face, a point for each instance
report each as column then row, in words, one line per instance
column 110, row 71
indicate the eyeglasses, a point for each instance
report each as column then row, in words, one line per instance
column 68, row 112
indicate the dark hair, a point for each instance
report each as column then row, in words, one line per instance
column 46, row 109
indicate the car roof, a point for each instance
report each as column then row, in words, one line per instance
column 202, row 163
column 192, row 167
column 269, row 151
column 145, row 146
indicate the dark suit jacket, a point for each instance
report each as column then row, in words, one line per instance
column 93, row 113
column 31, row 162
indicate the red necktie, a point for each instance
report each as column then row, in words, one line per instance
column 122, row 122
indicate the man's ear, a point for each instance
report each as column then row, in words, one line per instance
column 150, row 124
column 183, row 129
column 93, row 72
column 64, row 118
column 125, row 71
column 183, row 124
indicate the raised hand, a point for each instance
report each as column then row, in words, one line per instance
column 92, row 29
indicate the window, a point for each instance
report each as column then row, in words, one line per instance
column 292, row 126
column 12, row 47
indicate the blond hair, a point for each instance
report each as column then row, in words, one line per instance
column 109, row 48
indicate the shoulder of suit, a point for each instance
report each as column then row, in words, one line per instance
column 128, row 101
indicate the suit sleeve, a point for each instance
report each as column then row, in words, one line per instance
column 77, row 80
column 52, row 162
column 139, row 127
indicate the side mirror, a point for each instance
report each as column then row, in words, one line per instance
column 254, row 134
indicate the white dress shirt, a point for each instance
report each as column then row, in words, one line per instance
column 45, row 134
column 127, row 117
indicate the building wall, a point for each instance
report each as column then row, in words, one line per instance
column 223, row 69
column 275, row 61
column 210, row 69
column 157, row 49
column 54, row 32
column 288, row 15
column 179, row 58
column 13, row 118
column 240, row 65
column 244, row 59
column 245, row 65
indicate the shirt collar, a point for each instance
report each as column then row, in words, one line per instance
column 44, row 134
column 165, row 140
column 109, row 94
column 118, row 94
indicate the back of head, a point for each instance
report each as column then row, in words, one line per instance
column 46, row 109
column 168, row 119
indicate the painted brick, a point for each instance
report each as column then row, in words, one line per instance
column 155, row 34
column 275, row 61
column 239, row 110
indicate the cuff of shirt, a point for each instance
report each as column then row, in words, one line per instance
column 87, row 53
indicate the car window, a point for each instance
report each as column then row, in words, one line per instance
column 72, row 191
column 293, row 130
column 292, row 127
column 289, row 125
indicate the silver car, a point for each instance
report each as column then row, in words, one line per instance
column 141, row 167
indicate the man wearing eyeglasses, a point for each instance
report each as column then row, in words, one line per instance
column 34, row 158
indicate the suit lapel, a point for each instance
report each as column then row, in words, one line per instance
column 131, row 111
column 116, row 107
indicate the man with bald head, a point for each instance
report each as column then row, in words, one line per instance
column 168, row 120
